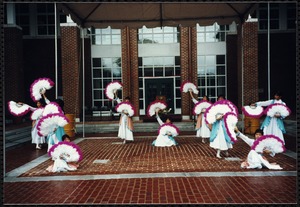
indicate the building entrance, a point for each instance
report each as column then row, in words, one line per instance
column 160, row 89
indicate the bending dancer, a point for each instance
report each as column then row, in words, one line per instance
column 273, row 125
column 60, row 164
column 126, row 125
column 255, row 159
column 202, row 129
column 164, row 140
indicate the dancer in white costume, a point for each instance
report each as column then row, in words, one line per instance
column 273, row 125
column 255, row 159
column 219, row 138
column 202, row 129
column 164, row 140
column 36, row 139
column 126, row 125
column 60, row 164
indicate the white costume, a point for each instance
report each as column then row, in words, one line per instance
column 124, row 132
column 219, row 141
column 36, row 139
column 202, row 131
column 60, row 165
column 272, row 127
column 163, row 140
column 254, row 159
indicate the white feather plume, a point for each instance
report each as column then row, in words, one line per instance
column 111, row 88
column 67, row 152
column 166, row 129
column 36, row 114
column 201, row 107
column 48, row 123
column 230, row 120
column 253, row 111
column 18, row 109
column 189, row 86
column 280, row 109
column 156, row 105
column 126, row 108
column 211, row 114
column 39, row 87
column 52, row 108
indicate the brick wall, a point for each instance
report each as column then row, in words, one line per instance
column 13, row 56
column 130, row 67
column 71, row 64
column 188, row 55
column 250, row 62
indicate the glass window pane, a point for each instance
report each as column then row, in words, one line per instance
column 158, row 71
column 220, row 59
column 211, row 92
column 140, row 72
column 106, row 39
column 97, row 83
column 201, row 82
column 202, row 91
column 201, row 70
column 116, row 62
column 141, row 104
column 148, row 61
column 201, row 60
column 220, row 70
column 221, row 81
column 210, row 28
column 169, row 71
column 117, row 72
column 141, row 95
column 157, row 38
column 177, row 60
column 210, row 37
column 97, row 94
column 106, row 82
column 221, row 91
column 158, row 61
column 168, row 38
column 169, row 61
column 211, row 81
column 42, row 30
column 178, row 103
column 116, row 39
column 97, row 73
column 140, row 61
column 200, row 37
column 106, row 62
column 177, row 71
column 210, row 70
column 211, row 60
column 148, row 72
column 177, row 82
column 147, row 39
column 178, row 92
column 141, row 84
column 106, row 72
column 96, row 62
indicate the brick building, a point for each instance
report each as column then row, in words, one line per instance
column 151, row 63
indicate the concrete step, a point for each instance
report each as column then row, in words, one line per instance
column 17, row 136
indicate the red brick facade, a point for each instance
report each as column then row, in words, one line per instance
column 188, row 55
column 250, row 62
column 13, row 54
column 130, row 67
column 71, row 66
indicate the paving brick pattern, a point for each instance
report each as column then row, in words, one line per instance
column 225, row 190
column 140, row 157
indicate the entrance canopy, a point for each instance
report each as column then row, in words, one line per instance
column 152, row 14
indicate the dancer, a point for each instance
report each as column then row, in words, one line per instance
column 219, row 138
column 60, row 164
column 126, row 125
column 36, row 139
column 273, row 125
column 202, row 129
column 164, row 140
column 255, row 159
column 56, row 136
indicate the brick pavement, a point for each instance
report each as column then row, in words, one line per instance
column 235, row 185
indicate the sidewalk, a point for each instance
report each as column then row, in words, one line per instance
column 138, row 173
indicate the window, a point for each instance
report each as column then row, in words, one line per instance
column 211, row 75
column 158, row 35
column 151, row 67
column 282, row 16
column 105, row 70
column 22, row 17
column 212, row 33
column 37, row 19
column 106, row 36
